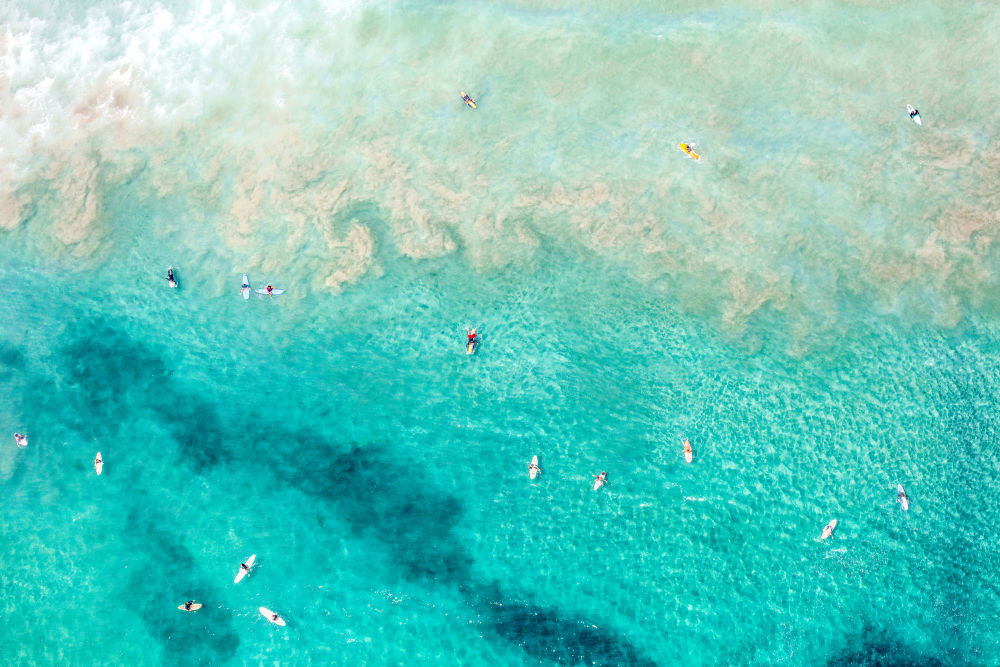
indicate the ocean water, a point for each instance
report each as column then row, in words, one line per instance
column 815, row 304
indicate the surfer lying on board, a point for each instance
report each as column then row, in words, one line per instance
column 534, row 467
column 21, row 440
column 913, row 113
column 170, row 277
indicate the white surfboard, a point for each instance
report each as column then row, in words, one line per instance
column 904, row 502
column 828, row 530
column 600, row 480
column 274, row 292
column 914, row 114
column 245, row 287
column 533, row 468
column 271, row 616
column 21, row 440
column 98, row 464
column 242, row 573
column 194, row 607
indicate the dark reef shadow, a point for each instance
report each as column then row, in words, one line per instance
column 381, row 496
column 154, row 593
column 384, row 498
column 545, row 633
column 12, row 361
column 874, row 647
column 112, row 375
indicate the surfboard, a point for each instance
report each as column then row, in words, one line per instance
column 904, row 502
column 271, row 616
column 828, row 530
column 600, row 480
column 274, row 292
column 195, row 607
column 688, row 452
column 468, row 100
column 533, row 467
column 21, row 440
column 470, row 346
column 98, row 464
column 914, row 114
column 242, row 573
column 245, row 287
column 690, row 153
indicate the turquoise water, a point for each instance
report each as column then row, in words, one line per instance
column 814, row 304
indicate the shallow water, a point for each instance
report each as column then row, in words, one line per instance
column 813, row 304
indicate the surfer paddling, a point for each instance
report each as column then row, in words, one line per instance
column 600, row 480
column 244, row 568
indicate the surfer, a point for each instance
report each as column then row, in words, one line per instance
column 902, row 499
column 244, row 567
column 244, row 286
column 274, row 617
column 600, row 480
column 170, row 277
column 21, row 440
column 470, row 345
column 533, row 467
column 187, row 605
column 828, row 530
column 269, row 291
column 913, row 112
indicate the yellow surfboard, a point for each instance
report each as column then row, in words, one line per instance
column 691, row 154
